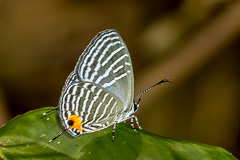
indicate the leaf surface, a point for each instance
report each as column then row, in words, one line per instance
column 26, row 137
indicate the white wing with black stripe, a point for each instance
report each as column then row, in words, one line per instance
column 106, row 62
column 100, row 89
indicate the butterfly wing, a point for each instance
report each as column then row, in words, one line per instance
column 96, row 107
column 101, row 86
column 106, row 62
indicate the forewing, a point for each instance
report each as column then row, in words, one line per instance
column 97, row 108
column 106, row 62
column 71, row 79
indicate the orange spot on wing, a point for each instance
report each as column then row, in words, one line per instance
column 76, row 122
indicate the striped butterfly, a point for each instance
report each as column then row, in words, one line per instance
column 99, row 92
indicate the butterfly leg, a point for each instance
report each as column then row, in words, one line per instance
column 136, row 121
column 113, row 131
column 132, row 124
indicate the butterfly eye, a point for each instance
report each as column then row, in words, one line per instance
column 70, row 122
column 135, row 107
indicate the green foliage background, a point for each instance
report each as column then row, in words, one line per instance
column 26, row 137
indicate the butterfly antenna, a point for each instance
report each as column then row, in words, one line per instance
column 57, row 136
column 138, row 97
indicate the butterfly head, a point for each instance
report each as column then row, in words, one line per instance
column 135, row 106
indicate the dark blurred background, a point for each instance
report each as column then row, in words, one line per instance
column 195, row 43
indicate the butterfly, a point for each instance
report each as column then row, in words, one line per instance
column 99, row 91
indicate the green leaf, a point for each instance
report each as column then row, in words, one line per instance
column 26, row 137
